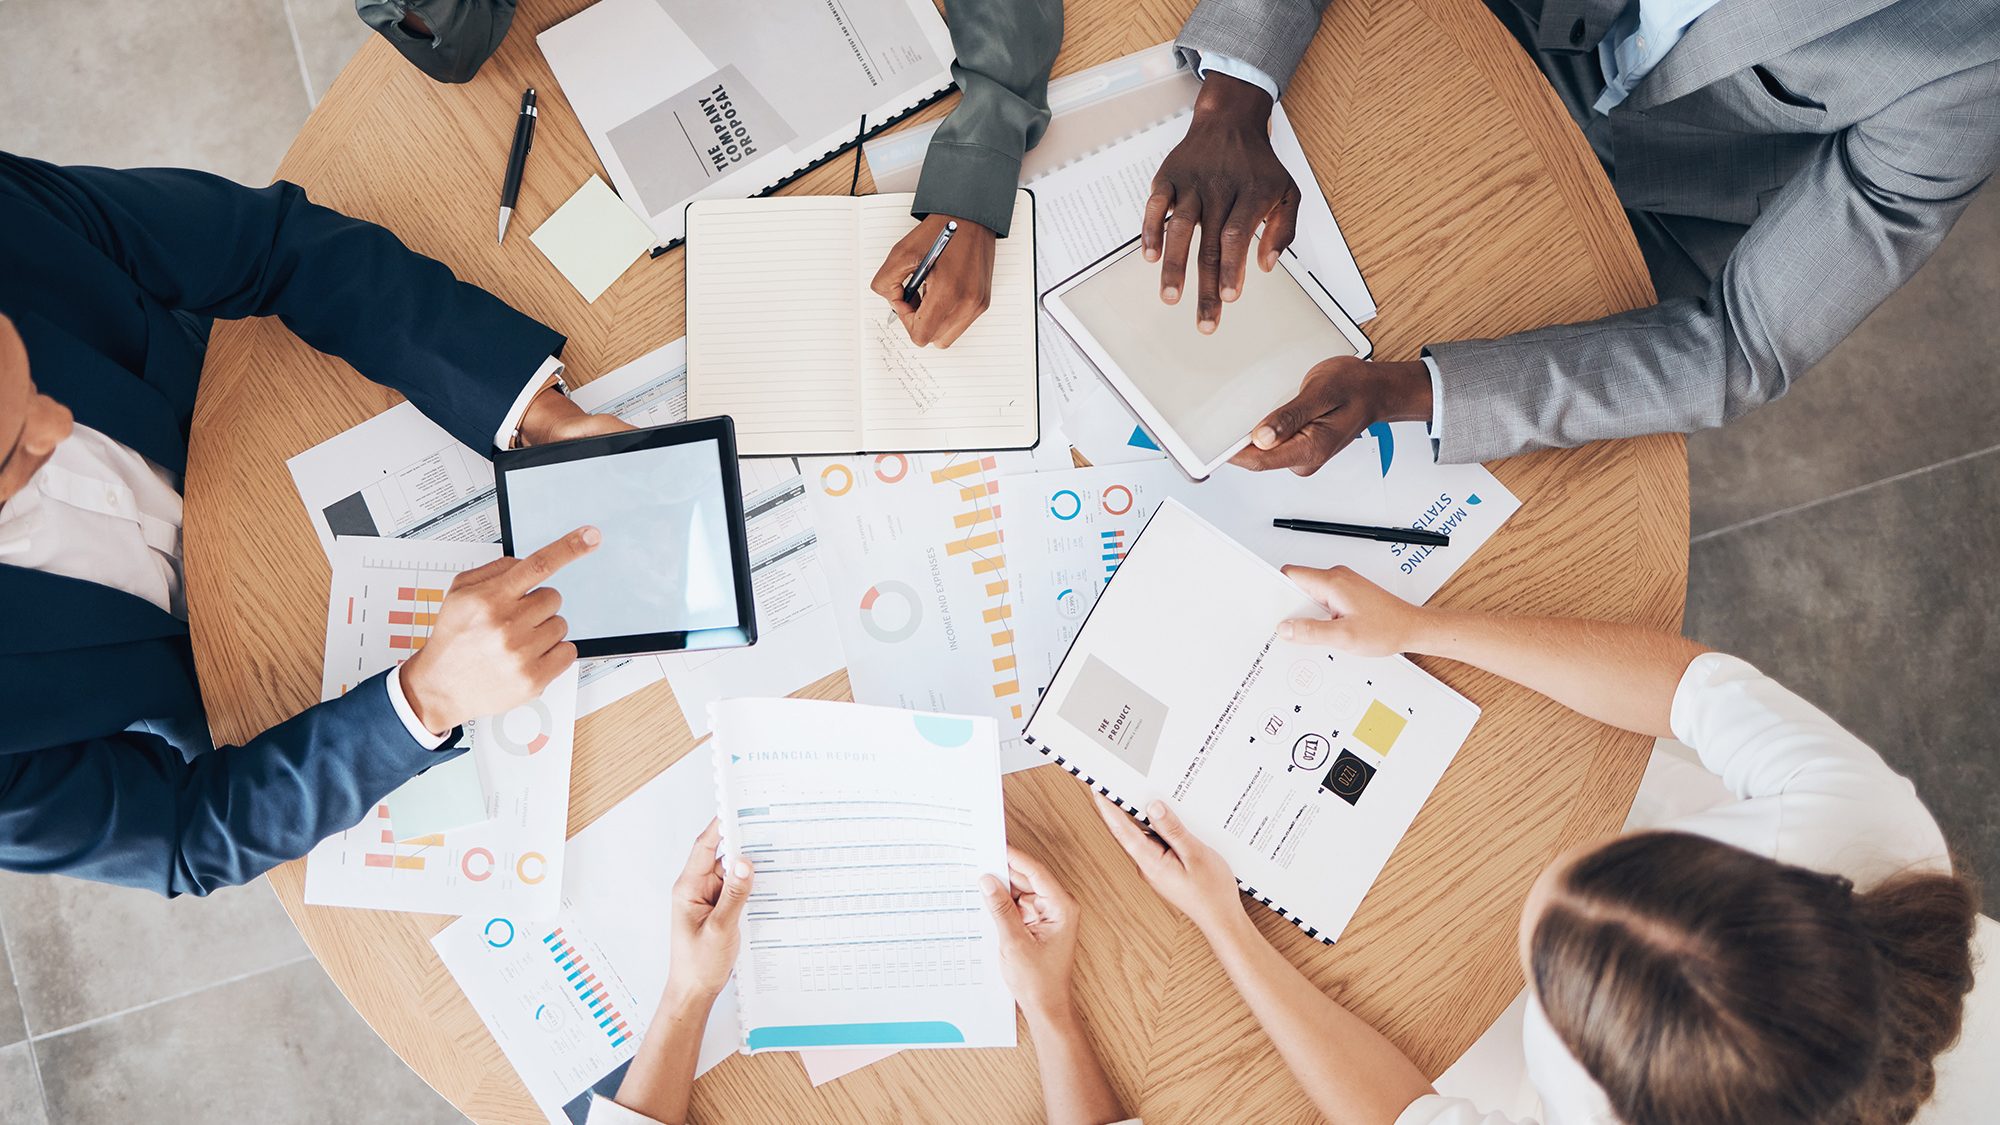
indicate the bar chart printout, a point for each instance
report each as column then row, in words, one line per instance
column 382, row 604
column 870, row 828
column 917, row 566
column 568, row 997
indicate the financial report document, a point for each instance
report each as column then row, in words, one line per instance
column 869, row 828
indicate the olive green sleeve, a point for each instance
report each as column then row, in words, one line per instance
column 1005, row 49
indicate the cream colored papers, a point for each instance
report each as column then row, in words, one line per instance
column 593, row 238
column 870, row 828
column 785, row 336
column 383, row 602
column 1302, row 766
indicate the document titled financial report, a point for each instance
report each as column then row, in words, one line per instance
column 869, row 828
column 1302, row 766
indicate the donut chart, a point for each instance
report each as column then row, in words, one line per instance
column 1066, row 505
column 1117, row 500
column 525, row 730
column 891, row 467
column 890, row 612
column 836, row 479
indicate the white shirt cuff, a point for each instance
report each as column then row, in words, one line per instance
column 1212, row 63
column 604, row 1111
column 408, row 714
column 1437, row 400
column 510, row 426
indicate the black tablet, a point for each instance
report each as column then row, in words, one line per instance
column 673, row 571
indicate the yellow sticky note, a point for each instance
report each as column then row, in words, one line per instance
column 1380, row 727
column 593, row 238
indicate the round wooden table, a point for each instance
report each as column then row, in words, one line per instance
column 1474, row 208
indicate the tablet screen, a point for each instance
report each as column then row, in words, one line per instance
column 1211, row 391
column 664, row 565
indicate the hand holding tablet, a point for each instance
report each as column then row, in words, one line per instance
column 673, row 570
column 1201, row 394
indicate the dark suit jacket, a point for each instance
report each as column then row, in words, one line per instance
column 103, row 773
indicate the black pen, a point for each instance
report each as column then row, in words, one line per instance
column 517, row 160
column 911, row 296
column 1409, row 535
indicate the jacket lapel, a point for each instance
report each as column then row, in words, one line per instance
column 1738, row 34
column 103, row 395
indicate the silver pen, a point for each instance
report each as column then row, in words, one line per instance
column 911, row 296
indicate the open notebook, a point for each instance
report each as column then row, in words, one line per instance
column 785, row 336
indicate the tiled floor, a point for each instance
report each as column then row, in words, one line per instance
column 1845, row 540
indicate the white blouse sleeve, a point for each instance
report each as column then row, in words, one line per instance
column 1436, row 1109
column 1808, row 792
column 604, row 1111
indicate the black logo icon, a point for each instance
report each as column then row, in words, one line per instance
column 1348, row 777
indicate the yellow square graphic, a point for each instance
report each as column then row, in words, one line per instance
column 1380, row 727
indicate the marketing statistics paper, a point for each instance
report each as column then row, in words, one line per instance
column 398, row 475
column 918, row 568
column 870, row 828
column 383, row 601
column 568, row 996
column 1066, row 532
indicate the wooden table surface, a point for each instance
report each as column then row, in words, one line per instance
column 1474, row 209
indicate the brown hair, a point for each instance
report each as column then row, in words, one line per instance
column 1700, row 984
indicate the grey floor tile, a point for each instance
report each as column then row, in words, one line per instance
column 13, row 1025
column 1917, row 382
column 84, row 950
column 209, row 84
column 1883, row 608
column 279, row 1048
column 20, row 1089
column 329, row 34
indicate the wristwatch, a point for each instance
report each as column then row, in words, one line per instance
column 557, row 384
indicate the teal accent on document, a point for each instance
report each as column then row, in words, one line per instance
column 853, row 1035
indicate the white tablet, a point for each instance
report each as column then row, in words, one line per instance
column 1201, row 396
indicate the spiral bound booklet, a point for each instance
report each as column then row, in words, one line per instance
column 869, row 828
column 690, row 99
column 1302, row 766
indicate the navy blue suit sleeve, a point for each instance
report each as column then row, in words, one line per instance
column 347, row 287
column 127, row 809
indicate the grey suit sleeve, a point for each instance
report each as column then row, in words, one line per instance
column 1005, row 49
column 1270, row 35
column 1845, row 233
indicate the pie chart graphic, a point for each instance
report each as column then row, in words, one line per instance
column 525, row 729
column 890, row 612
column 1069, row 603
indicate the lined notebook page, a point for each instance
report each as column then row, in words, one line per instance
column 771, row 311
column 977, row 394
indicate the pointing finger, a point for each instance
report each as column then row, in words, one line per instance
column 542, row 565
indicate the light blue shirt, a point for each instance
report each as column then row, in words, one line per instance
column 1636, row 42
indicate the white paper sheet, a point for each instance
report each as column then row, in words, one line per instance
column 870, row 828
column 918, row 572
column 564, row 1040
column 798, row 642
column 384, row 595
